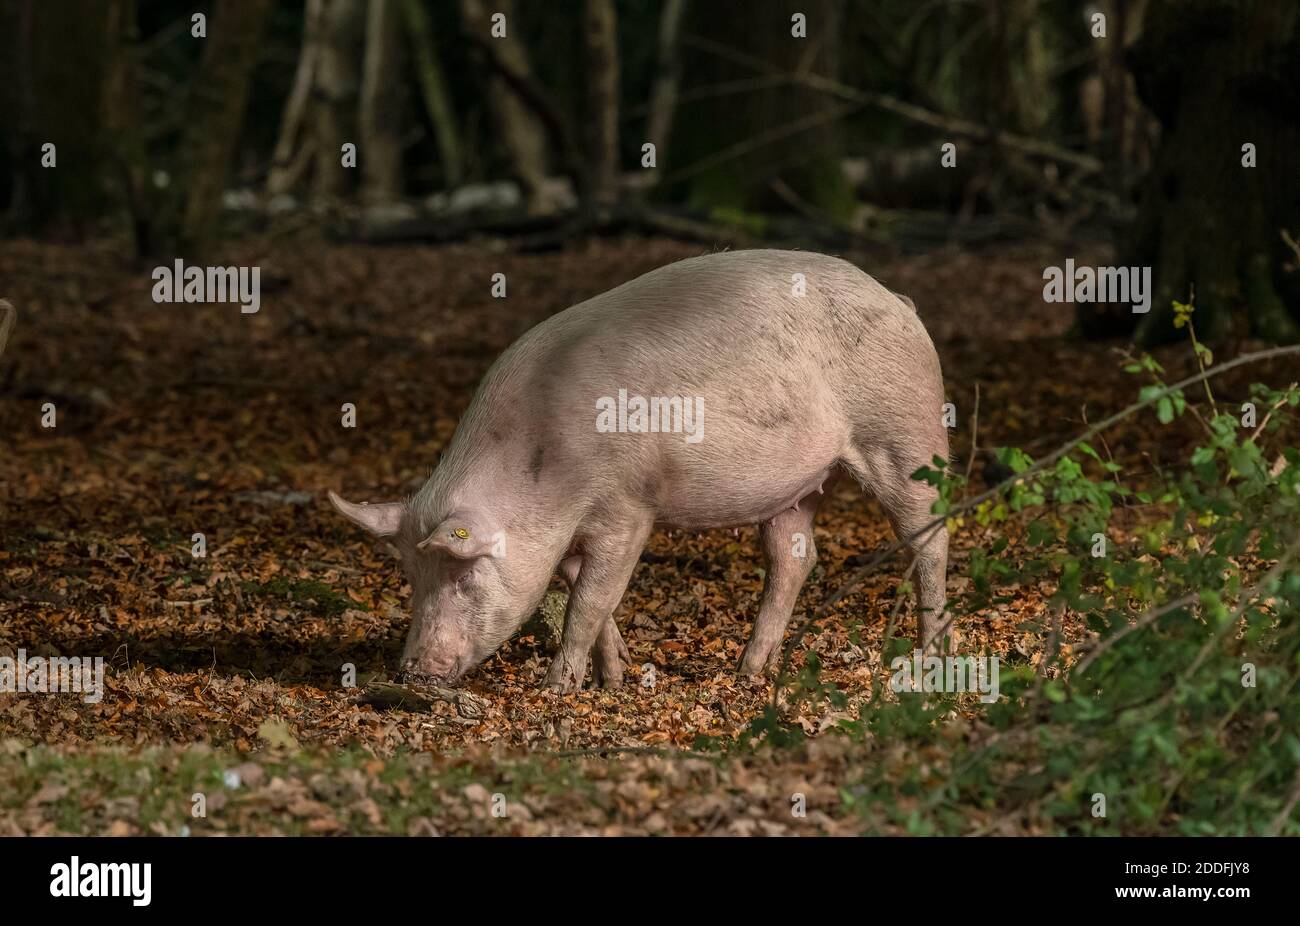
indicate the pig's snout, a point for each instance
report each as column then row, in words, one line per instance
column 435, row 652
column 431, row 668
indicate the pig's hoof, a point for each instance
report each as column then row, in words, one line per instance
column 562, row 677
column 607, row 676
column 756, row 663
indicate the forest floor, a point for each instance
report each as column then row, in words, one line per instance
column 225, row 672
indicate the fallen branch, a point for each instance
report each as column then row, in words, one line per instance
column 422, row 698
column 542, row 232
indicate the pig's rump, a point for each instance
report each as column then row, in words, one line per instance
column 791, row 385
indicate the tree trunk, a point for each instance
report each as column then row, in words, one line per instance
column 338, row 80
column 749, row 152
column 433, row 88
column 58, row 63
column 219, row 95
column 129, row 164
column 518, row 126
column 286, row 162
column 600, row 36
column 381, row 105
column 1118, row 127
column 1031, row 80
column 1218, row 74
column 663, row 95
column 18, row 110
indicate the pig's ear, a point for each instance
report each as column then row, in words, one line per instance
column 463, row 538
column 381, row 520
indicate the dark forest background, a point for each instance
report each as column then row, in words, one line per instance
column 169, row 141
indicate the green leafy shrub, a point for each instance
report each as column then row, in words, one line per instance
column 1179, row 710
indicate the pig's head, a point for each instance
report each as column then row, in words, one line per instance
column 464, row 602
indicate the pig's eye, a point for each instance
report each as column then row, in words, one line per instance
column 464, row 582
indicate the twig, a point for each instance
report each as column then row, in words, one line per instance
column 713, row 91
column 654, row 751
column 911, row 112
column 893, row 617
column 1275, row 828
column 974, row 434
column 1269, row 414
column 1191, row 408
column 817, row 215
column 1052, row 648
column 1196, row 349
column 1150, row 617
column 749, row 145
column 1291, row 243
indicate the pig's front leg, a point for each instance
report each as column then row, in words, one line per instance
column 607, row 565
column 610, row 652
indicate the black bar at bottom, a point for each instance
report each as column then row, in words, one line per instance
column 374, row 875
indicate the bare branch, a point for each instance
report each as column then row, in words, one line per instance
column 909, row 111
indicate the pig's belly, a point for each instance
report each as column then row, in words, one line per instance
column 700, row 492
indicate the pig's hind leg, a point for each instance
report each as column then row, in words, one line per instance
column 607, row 565
column 790, row 554
column 907, row 504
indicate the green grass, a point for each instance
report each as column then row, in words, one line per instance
column 321, row 598
column 86, row 791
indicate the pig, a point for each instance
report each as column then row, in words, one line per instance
column 766, row 373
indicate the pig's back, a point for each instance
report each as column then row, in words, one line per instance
column 788, row 382
column 720, row 317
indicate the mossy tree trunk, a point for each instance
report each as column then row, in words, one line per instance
column 434, row 91
column 520, row 130
column 382, row 104
column 57, row 68
column 218, row 97
column 600, row 41
column 291, row 156
column 338, row 86
column 733, row 151
column 1219, row 74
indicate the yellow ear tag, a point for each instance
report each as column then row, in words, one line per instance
column 461, row 533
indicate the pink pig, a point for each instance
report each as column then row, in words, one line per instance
column 719, row 391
